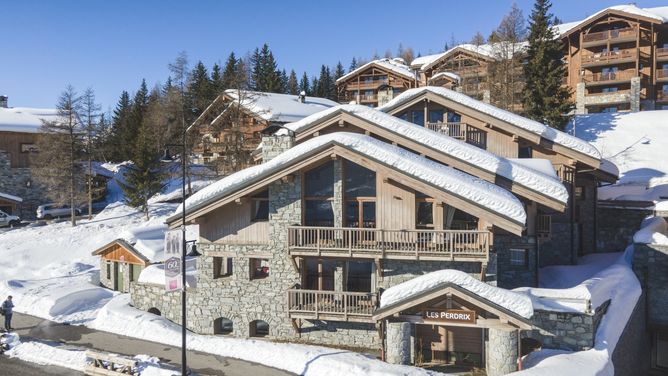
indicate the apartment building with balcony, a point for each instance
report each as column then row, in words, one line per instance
column 375, row 83
column 352, row 201
column 618, row 59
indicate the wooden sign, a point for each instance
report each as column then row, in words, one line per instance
column 450, row 315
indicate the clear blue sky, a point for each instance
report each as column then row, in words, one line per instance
column 111, row 45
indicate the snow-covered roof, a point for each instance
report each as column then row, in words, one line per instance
column 25, row 119
column 472, row 189
column 660, row 14
column 488, row 50
column 450, row 75
column 281, row 108
column 537, row 177
column 529, row 125
column 148, row 242
column 538, row 164
column 512, row 301
column 633, row 141
column 10, row 197
column 394, row 65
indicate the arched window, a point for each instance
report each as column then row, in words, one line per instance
column 259, row 328
column 154, row 311
column 222, row 325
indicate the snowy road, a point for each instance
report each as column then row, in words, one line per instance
column 16, row 367
column 204, row 364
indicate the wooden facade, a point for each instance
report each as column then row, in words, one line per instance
column 374, row 84
column 19, row 146
column 120, row 265
column 620, row 60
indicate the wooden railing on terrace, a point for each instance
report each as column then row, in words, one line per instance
column 370, row 84
column 609, row 57
column 458, row 245
column 331, row 305
column 662, row 53
column 662, row 73
column 609, row 76
column 453, row 129
column 627, row 33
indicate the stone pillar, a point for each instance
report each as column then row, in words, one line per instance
column 398, row 349
column 339, row 277
column 285, row 208
column 580, row 99
column 275, row 145
column 635, row 94
column 338, row 193
column 502, row 352
column 486, row 96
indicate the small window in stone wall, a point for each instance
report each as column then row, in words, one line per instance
column 222, row 325
column 259, row 268
column 222, row 267
column 518, row 257
column 108, row 269
column 259, row 328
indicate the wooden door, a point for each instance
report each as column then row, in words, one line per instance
column 119, row 277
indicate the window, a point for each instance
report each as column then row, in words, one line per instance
column 612, row 89
column 454, row 118
column 222, row 267
column 360, row 196
column 259, row 268
column 109, row 269
column 222, row 325
column 435, row 116
column 518, row 257
column 320, row 274
column 424, row 214
column 609, row 110
column 260, row 207
column 259, row 328
column 319, row 195
column 664, row 88
column 524, row 152
column 417, row 117
column 358, row 276
column 29, row 148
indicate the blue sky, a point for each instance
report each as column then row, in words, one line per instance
column 111, row 45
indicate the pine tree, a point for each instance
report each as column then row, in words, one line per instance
column 200, row 91
column 90, row 114
column 135, row 118
column 271, row 72
column 545, row 99
column 216, row 80
column 61, row 147
column 315, row 85
column 304, row 85
column 292, row 85
column 284, row 82
column 120, row 123
column 339, row 71
column 353, row 65
column 230, row 72
column 257, row 74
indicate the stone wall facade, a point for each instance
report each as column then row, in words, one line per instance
column 650, row 263
column 502, row 352
column 632, row 356
column 567, row 330
column 19, row 182
column 108, row 274
column 616, row 226
column 510, row 275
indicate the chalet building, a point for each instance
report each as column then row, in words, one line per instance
column 364, row 230
column 375, row 83
column 563, row 235
column 229, row 128
column 19, row 127
column 618, row 59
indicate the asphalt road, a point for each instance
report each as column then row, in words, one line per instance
column 15, row 367
column 201, row 363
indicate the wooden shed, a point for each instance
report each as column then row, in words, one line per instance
column 120, row 264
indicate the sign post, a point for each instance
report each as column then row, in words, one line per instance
column 173, row 267
column 450, row 315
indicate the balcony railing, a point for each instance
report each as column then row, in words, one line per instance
column 662, row 53
column 609, row 76
column 628, row 33
column 332, row 305
column 662, row 74
column 662, row 96
column 367, row 98
column 367, row 84
column 457, row 245
column 609, row 57
column 453, row 129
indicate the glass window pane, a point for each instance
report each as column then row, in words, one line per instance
column 359, row 181
column 369, row 214
column 435, row 116
column 418, row 118
column 320, row 181
column 454, row 118
column 425, row 214
column 352, row 214
column 319, row 213
column 359, row 276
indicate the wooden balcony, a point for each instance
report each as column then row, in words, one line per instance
column 612, row 57
column 453, row 129
column 471, row 71
column 371, row 243
column 365, row 98
column 366, row 85
column 608, row 77
column 614, row 36
column 662, row 74
column 331, row 305
column 662, row 54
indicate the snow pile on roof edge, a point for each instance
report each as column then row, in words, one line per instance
column 507, row 299
column 653, row 230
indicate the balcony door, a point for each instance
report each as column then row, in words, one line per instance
column 360, row 196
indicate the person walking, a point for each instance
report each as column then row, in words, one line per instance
column 7, row 308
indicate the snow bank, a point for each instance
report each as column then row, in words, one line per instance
column 634, row 141
column 512, row 301
column 473, row 189
column 529, row 125
column 118, row 317
column 155, row 274
column 535, row 175
column 623, row 290
column 653, row 231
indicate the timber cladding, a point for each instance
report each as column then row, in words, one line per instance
column 18, row 146
column 117, row 252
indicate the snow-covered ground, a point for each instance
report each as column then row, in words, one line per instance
column 636, row 143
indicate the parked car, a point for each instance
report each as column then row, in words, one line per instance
column 50, row 211
column 8, row 219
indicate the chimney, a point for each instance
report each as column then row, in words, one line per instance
column 302, row 96
column 4, row 101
